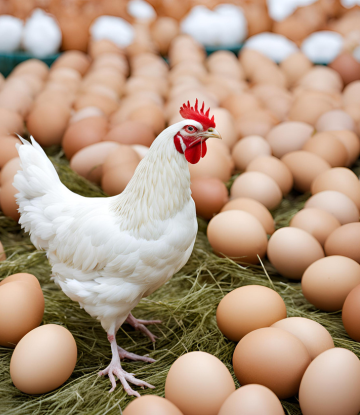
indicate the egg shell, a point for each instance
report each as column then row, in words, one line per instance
column 22, row 276
column 151, row 405
column 111, row 60
column 74, row 59
column 350, row 313
column 308, row 108
column 103, row 90
column 150, row 115
column 322, row 78
column 275, row 169
column 16, row 100
column 251, row 400
column 340, row 179
column 249, row 308
column 43, row 360
column 225, row 124
column 248, row 149
column 2, row 253
column 347, row 67
column 10, row 122
column 131, row 132
column 83, row 133
column 8, row 202
column 292, row 250
column 105, row 104
column 210, row 195
column 328, row 147
column 116, row 179
column 336, row 203
column 88, row 161
column 9, row 170
column 258, row 186
column 313, row 335
column 304, row 167
column 122, row 155
column 32, row 66
column 198, row 383
column 295, row 66
column 351, row 142
column 331, row 383
column 102, row 46
column 163, row 31
column 21, row 310
column 238, row 104
column 86, row 113
column 8, row 149
column 105, row 76
column 273, row 358
column 256, row 209
column 318, row 223
column 335, row 120
column 351, row 93
column 257, row 122
column 238, row 235
column 344, row 241
column 288, row 136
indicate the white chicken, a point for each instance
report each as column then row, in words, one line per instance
column 109, row 253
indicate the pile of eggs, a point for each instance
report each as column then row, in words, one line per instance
column 45, row 356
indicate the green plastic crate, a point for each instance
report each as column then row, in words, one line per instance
column 8, row 60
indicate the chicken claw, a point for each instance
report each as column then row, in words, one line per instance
column 123, row 354
column 141, row 326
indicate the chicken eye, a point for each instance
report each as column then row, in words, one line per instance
column 190, row 129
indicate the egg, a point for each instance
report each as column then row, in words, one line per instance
column 305, row 167
column 225, row 124
column 102, row 46
column 346, row 66
column 249, row 308
column 8, row 202
column 292, row 250
column 104, row 76
column 275, row 169
column 2, row 254
column 250, row 400
column 336, row 203
column 73, row 59
column 313, row 335
column 86, row 113
column 344, row 241
column 10, row 122
column 8, row 149
column 198, row 383
column 335, row 120
column 350, row 313
column 105, row 104
column 351, row 142
column 111, row 60
column 322, row 78
column 248, row 149
column 256, row 209
column 88, row 161
column 331, row 383
column 238, row 235
column 258, row 186
column 32, row 66
column 295, row 66
column 351, row 93
column 9, row 170
column 116, row 179
column 21, row 310
column 239, row 104
column 43, row 360
column 308, row 107
column 83, row 133
column 340, row 179
column 150, row 115
column 257, row 122
column 151, row 405
column 22, row 276
column 122, row 155
column 210, row 195
column 131, row 132
column 288, row 136
column 273, row 358
column 317, row 222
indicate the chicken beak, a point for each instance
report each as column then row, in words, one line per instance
column 211, row 133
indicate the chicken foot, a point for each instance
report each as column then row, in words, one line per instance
column 141, row 326
column 115, row 369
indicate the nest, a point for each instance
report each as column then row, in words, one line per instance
column 186, row 305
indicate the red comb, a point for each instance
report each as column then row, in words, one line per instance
column 202, row 117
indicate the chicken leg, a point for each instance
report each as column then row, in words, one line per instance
column 115, row 369
column 141, row 325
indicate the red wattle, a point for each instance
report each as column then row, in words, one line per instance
column 194, row 153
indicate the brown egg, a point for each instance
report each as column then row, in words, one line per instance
column 225, row 124
column 9, row 170
column 10, row 122
column 88, row 161
column 328, row 147
column 47, row 123
column 151, row 405
column 351, row 93
column 238, row 235
column 105, row 104
column 111, row 60
column 73, row 59
column 32, row 66
column 351, row 142
column 269, row 73
column 21, row 310
column 308, row 108
column 252, row 399
column 250, row 59
column 335, row 120
column 295, row 66
column 313, row 335
column 122, row 155
column 8, row 149
column 198, row 383
column 340, row 179
column 105, row 76
column 288, row 136
column 83, row 133
column 351, row 313
column 273, row 358
column 103, row 90
column 210, row 195
column 86, row 113
column 150, row 115
column 256, row 209
column 331, row 383
column 316, row 222
column 163, row 31
column 258, row 122
column 102, row 46
column 336, row 203
column 2, row 254
column 346, row 66
column 249, row 308
column 68, row 76
column 305, row 167
column 22, row 276
column 248, row 149
column 258, row 186
column 344, row 241
column 131, row 132
column 214, row 164
column 16, row 100
column 292, row 250
column 8, row 202
column 322, row 78
column 239, row 104
column 43, row 360
column 275, row 169
column 115, row 180
column 327, row 282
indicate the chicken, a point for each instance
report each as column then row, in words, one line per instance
column 109, row 253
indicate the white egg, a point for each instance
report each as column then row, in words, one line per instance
column 280, row 9
column 141, row 10
column 113, row 28
column 10, row 33
column 322, row 47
